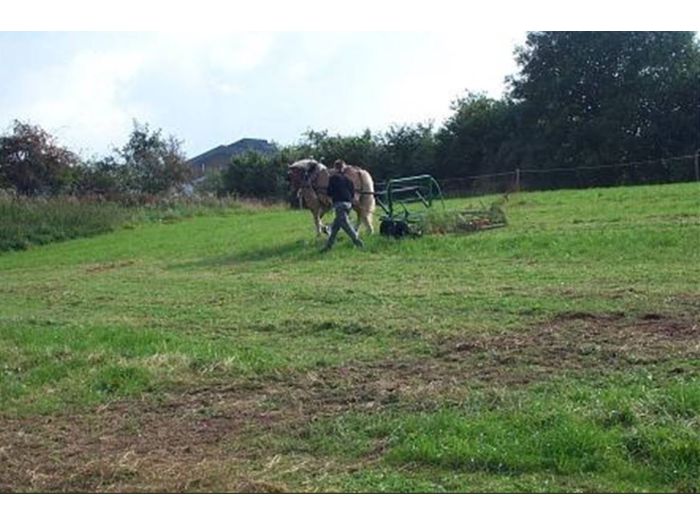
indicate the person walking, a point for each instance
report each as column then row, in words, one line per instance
column 341, row 190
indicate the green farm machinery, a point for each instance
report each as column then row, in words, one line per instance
column 394, row 198
column 409, row 205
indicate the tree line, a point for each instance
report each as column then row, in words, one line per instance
column 577, row 99
column 32, row 163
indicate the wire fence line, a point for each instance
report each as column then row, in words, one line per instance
column 601, row 166
column 683, row 168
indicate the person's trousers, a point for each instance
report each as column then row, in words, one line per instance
column 341, row 221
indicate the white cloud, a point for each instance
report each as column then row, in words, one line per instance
column 213, row 88
column 446, row 66
column 226, row 88
column 199, row 53
column 89, row 100
column 82, row 101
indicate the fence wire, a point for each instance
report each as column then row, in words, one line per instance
column 667, row 170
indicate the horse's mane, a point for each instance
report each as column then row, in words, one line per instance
column 305, row 164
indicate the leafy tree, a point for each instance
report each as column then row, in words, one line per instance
column 362, row 150
column 605, row 97
column 106, row 176
column 255, row 175
column 153, row 164
column 407, row 150
column 32, row 163
column 480, row 136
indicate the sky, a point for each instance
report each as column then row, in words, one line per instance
column 207, row 89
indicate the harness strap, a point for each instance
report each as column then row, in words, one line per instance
column 309, row 184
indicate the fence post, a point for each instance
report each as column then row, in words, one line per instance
column 697, row 165
column 517, row 180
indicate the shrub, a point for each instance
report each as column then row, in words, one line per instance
column 255, row 175
column 152, row 164
column 32, row 163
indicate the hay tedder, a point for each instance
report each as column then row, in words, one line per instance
column 409, row 206
column 394, row 198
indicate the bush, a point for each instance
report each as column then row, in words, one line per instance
column 104, row 177
column 255, row 175
column 31, row 163
column 152, row 165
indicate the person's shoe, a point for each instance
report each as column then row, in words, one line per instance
column 359, row 243
column 324, row 249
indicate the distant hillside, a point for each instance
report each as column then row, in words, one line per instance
column 219, row 157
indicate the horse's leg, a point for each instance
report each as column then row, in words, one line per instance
column 358, row 211
column 317, row 221
column 366, row 219
column 326, row 229
column 320, row 227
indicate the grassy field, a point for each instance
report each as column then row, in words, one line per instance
column 224, row 353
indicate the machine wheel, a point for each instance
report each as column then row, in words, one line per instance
column 394, row 228
column 386, row 228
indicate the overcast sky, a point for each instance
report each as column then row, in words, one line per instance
column 86, row 88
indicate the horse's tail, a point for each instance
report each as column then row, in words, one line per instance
column 367, row 201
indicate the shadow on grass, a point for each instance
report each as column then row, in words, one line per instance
column 299, row 250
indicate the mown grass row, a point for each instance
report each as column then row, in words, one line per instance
column 633, row 434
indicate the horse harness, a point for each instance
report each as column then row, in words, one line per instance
column 309, row 179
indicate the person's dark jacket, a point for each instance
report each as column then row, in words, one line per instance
column 340, row 188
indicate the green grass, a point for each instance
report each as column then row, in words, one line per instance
column 242, row 296
column 611, row 437
column 26, row 222
column 32, row 222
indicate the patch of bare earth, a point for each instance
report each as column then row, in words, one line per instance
column 207, row 439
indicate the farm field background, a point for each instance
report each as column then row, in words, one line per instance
column 224, row 353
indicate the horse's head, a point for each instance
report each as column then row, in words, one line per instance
column 302, row 172
column 295, row 177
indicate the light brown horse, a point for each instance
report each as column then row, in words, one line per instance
column 309, row 179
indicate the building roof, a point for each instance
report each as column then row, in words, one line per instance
column 220, row 156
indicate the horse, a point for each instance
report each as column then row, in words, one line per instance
column 309, row 179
